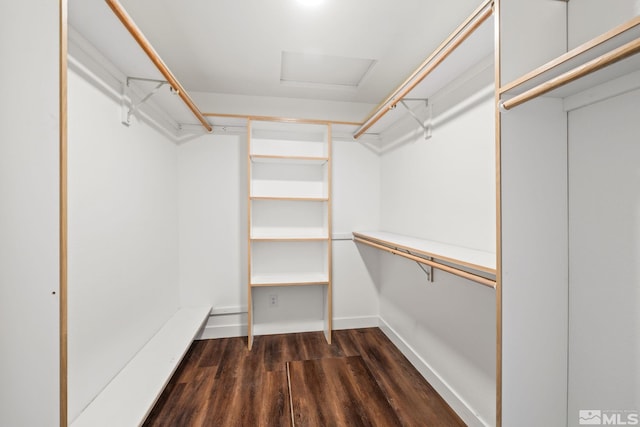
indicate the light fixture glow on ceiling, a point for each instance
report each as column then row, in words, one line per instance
column 311, row 3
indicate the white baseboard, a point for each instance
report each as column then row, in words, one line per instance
column 288, row 328
column 214, row 331
column 355, row 322
column 441, row 386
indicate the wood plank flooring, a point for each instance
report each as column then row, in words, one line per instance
column 362, row 379
column 356, row 398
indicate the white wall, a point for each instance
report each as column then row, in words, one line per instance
column 604, row 249
column 444, row 189
column 534, row 264
column 525, row 43
column 534, row 224
column 29, row 176
column 281, row 107
column 123, row 238
column 213, row 223
column 604, row 224
column 213, row 228
column 356, row 206
column 591, row 18
column 213, row 237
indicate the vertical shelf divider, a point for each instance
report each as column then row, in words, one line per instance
column 249, row 213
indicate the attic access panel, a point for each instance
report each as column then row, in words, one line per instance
column 317, row 70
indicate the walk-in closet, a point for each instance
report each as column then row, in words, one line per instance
column 319, row 213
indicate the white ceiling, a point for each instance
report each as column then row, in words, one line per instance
column 236, row 46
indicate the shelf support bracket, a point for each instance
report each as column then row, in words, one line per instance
column 130, row 109
column 428, row 270
column 426, row 128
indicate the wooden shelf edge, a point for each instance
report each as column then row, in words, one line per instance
column 291, row 199
column 267, row 285
column 290, row 239
column 276, row 157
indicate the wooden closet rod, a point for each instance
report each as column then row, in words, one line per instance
column 596, row 64
column 133, row 29
column 451, row 43
column 461, row 273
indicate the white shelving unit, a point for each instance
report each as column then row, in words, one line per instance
column 289, row 167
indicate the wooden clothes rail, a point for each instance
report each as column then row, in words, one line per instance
column 592, row 66
column 450, row 44
column 135, row 32
column 555, row 80
column 428, row 258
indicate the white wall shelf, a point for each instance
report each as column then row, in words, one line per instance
column 289, row 233
column 472, row 264
column 289, row 210
column 291, row 198
column 287, row 238
column 290, row 180
column 299, row 279
column 263, row 158
column 288, row 139
column 289, row 219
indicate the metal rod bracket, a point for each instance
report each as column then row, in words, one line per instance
column 427, row 269
column 425, row 127
column 130, row 108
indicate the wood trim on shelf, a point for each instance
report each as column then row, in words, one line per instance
column 450, row 44
column 63, row 213
column 461, row 273
column 330, row 245
column 292, row 199
column 140, row 38
column 275, row 158
column 267, row 285
column 283, row 119
column 249, row 213
column 289, row 239
column 618, row 54
column 573, row 53
column 498, row 166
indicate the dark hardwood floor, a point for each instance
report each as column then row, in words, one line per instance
column 361, row 379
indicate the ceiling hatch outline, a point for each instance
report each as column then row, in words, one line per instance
column 315, row 70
